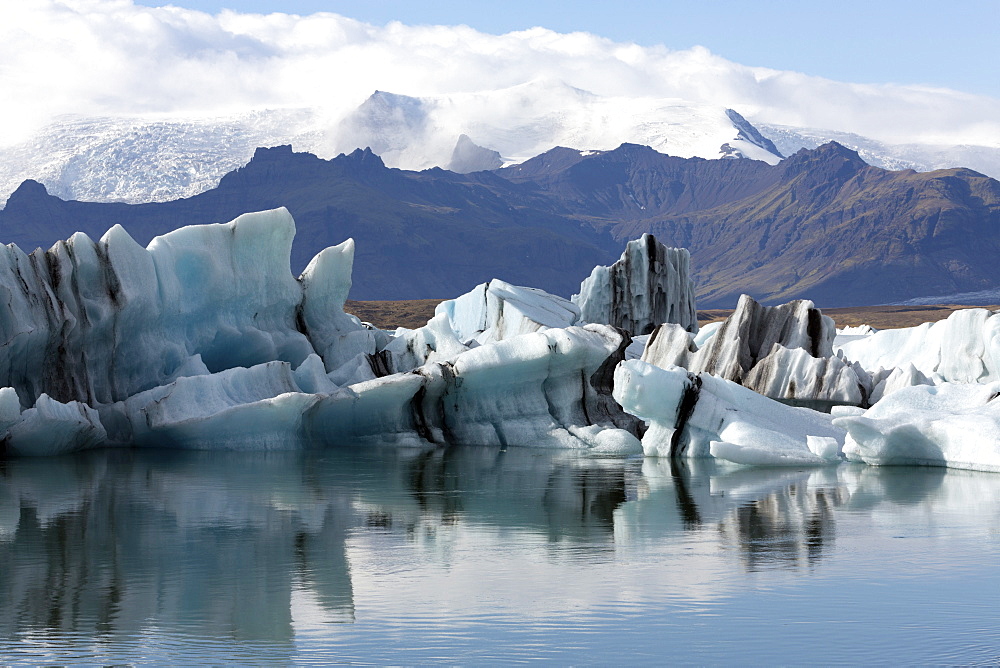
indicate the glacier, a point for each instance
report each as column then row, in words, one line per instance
column 166, row 157
column 205, row 340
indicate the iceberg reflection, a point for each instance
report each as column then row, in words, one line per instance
column 255, row 546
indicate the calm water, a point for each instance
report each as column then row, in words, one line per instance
column 477, row 555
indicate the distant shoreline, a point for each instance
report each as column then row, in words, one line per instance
column 413, row 313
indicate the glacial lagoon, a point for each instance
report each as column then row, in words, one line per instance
column 488, row 555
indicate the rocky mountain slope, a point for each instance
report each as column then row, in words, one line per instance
column 821, row 224
column 842, row 232
column 418, row 234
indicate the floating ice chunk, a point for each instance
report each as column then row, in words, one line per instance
column 846, row 411
column 248, row 409
column 706, row 332
column 192, row 343
column 326, row 282
column 360, row 368
column 753, row 453
column 900, row 377
column 852, row 333
column 745, row 337
column 436, row 341
column 696, row 415
column 54, row 428
column 530, row 390
column 954, row 425
column 491, row 312
column 964, row 348
column 604, row 441
column 651, row 284
column 497, row 310
column 795, row 374
column 671, row 345
column 783, row 352
column 311, row 377
column 99, row 322
column 826, row 447
column 232, row 322
column 856, row 330
column 10, row 409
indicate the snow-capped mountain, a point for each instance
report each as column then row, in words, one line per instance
column 523, row 121
column 143, row 160
column 161, row 97
column 139, row 160
column 919, row 157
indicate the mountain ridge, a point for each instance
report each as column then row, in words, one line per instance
column 821, row 224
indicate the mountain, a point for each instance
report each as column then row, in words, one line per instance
column 843, row 232
column 162, row 158
column 922, row 157
column 419, row 234
column 149, row 159
column 821, row 224
column 144, row 159
column 636, row 183
column 524, row 120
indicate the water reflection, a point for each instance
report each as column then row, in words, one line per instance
column 232, row 544
column 562, row 495
column 792, row 526
column 108, row 542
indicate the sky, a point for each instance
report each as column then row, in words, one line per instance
column 912, row 71
column 929, row 42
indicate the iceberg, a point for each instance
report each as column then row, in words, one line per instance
column 490, row 312
column 531, row 390
column 54, row 428
column 205, row 340
column 651, row 284
column 701, row 415
column 99, row 322
column 964, row 348
column 953, row 424
column 852, row 333
column 783, row 352
column 497, row 310
column 336, row 336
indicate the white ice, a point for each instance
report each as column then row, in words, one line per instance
column 699, row 415
column 964, row 348
column 784, row 352
column 649, row 285
column 205, row 340
column 952, row 424
column 497, row 310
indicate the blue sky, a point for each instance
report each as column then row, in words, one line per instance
column 952, row 45
column 846, row 67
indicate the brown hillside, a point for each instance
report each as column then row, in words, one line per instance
column 840, row 231
column 415, row 313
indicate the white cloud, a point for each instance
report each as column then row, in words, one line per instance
column 110, row 57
